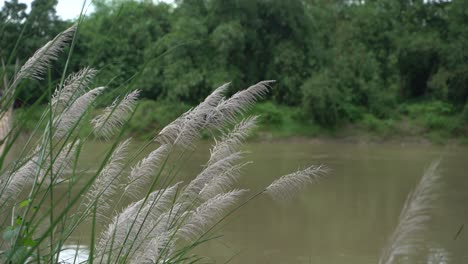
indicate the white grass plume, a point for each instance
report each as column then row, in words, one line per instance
column 152, row 250
column 231, row 142
column 286, row 188
column 169, row 133
column 221, row 171
column 38, row 169
column 60, row 164
column 406, row 240
column 216, row 96
column 194, row 121
column 190, row 129
column 142, row 173
column 106, row 183
column 124, row 227
column 115, row 115
column 65, row 158
column 37, row 65
column 160, row 201
column 69, row 118
column 223, row 182
column 213, row 170
column 160, row 233
column 14, row 181
column 208, row 214
column 186, row 128
column 6, row 120
column 74, row 86
column 213, row 113
column 227, row 110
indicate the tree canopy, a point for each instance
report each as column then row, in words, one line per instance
column 334, row 60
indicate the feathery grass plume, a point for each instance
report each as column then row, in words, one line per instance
column 37, row 169
column 221, row 171
column 194, row 121
column 186, row 128
column 106, row 183
column 190, row 129
column 6, row 119
column 154, row 249
column 207, row 214
column 14, row 181
column 63, row 162
column 231, row 142
column 213, row 113
column 227, row 110
column 223, row 182
column 169, row 133
column 141, row 174
column 115, row 115
column 56, row 165
column 216, row 96
column 286, row 187
column 158, row 231
column 68, row 119
column 214, row 169
column 125, row 226
column 74, row 86
column 37, row 65
column 406, row 240
column 164, row 229
column 197, row 119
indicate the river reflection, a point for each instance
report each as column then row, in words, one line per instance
column 73, row 254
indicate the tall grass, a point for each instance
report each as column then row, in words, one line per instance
column 408, row 242
column 166, row 219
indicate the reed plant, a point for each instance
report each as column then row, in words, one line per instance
column 409, row 243
column 164, row 219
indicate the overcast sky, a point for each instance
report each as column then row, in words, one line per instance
column 69, row 9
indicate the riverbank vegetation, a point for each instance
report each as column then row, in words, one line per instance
column 381, row 67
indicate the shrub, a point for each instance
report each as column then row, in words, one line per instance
column 382, row 127
column 418, row 109
column 372, row 123
column 321, row 100
column 270, row 114
column 438, row 122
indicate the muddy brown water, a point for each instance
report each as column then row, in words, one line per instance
column 346, row 218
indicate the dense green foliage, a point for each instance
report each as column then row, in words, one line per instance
column 336, row 62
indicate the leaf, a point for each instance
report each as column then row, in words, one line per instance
column 24, row 203
column 19, row 220
column 29, row 242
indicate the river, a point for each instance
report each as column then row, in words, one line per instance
column 348, row 217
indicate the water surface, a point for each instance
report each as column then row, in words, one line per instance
column 348, row 217
column 345, row 219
